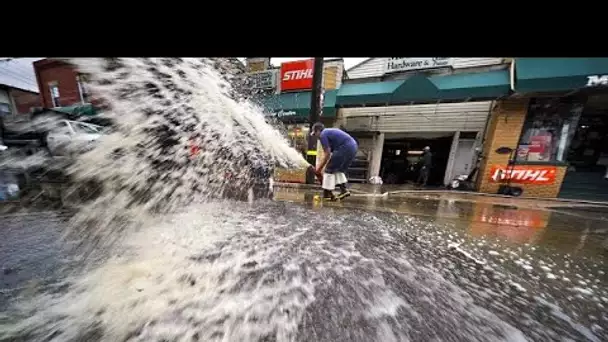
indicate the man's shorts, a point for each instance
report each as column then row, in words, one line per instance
column 342, row 158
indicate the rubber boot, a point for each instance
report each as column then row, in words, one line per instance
column 343, row 191
column 328, row 195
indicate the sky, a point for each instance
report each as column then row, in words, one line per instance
column 348, row 61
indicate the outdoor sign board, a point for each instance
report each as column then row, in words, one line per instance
column 523, row 174
column 262, row 80
column 398, row 64
column 297, row 75
column 255, row 64
column 282, row 113
column 597, row 80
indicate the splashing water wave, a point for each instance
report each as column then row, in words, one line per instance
column 159, row 105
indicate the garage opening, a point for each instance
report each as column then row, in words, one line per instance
column 402, row 157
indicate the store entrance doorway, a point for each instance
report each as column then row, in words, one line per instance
column 402, row 157
column 587, row 156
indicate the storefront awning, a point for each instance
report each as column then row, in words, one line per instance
column 79, row 109
column 490, row 84
column 297, row 105
column 559, row 74
column 366, row 93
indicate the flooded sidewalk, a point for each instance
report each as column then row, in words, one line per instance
column 412, row 191
column 516, row 220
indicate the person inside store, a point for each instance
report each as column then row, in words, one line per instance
column 339, row 152
column 425, row 168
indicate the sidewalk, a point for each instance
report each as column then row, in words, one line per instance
column 412, row 191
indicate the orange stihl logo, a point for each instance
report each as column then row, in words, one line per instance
column 524, row 174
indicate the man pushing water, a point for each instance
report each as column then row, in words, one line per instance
column 339, row 150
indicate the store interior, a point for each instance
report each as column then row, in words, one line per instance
column 402, row 155
column 587, row 154
column 572, row 131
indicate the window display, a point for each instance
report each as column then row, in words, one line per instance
column 548, row 130
column 298, row 137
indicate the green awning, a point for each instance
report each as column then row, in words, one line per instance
column 415, row 88
column 490, row 84
column 559, row 74
column 297, row 105
column 366, row 93
column 80, row 109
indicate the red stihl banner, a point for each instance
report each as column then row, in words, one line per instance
column 297, row 75
column 524, row 174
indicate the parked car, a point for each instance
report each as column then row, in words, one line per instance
column 49, row 130
column 68, row 137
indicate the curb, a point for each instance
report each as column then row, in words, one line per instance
column 557, row 200
column 297, row 186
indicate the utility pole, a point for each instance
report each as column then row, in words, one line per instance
column 316, row 106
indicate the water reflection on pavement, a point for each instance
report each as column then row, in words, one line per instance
column 556, row 257
column 556, row 229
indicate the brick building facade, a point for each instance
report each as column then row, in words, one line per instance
column 59, row 84
column 25, row 101
column 504, row 130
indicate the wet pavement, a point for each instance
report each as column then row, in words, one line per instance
column 393, row 267
column 555, row 251
column 30, row 251
column 514, row 221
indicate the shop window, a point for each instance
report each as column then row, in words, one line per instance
column 82, row 89
column 548, row 130
column 5, row 109
column 54, row 90
column 298, row 136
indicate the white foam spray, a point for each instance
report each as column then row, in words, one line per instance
column 160, row 107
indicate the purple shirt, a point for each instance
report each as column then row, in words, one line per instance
column 334, row 138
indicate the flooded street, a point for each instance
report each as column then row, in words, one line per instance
column 390, row 268
column 158, row 253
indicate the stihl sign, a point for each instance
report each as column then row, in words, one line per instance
column 297, row 75
column 523, row 174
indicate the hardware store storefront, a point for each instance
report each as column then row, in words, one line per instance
column 447, row 112
column 557, row 121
